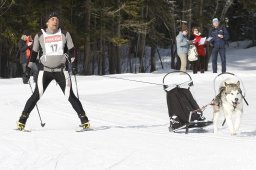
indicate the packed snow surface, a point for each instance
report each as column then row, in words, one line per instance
column 131, row 125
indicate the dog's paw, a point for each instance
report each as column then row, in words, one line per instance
column 233, row 133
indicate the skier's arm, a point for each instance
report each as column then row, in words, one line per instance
column 71, row 48
column 72, row 53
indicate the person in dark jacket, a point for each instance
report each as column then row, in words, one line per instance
column 218, row 35
column 200, row 63
column 25, row 48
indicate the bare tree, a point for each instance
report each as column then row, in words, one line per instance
column 225, row 9
column 87, row 45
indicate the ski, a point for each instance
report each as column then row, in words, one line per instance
column 24, row 130
column 84, row 130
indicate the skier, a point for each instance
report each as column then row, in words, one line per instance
column 54, row 44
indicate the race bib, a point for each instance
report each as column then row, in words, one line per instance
column 53, row 43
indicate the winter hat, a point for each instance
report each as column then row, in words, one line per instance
column 26, row 32
column 52, row 14
column 215, row 20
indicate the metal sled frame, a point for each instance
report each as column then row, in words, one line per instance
column 189, row 123
column 232, row 74
column 190, row 82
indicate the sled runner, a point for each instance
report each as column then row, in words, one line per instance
column 184, row 112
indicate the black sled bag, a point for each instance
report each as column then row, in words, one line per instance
column 180, row 102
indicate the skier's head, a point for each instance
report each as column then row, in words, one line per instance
column 53, row 21
column 215, row 22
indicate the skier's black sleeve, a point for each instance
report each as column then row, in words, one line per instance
column 72, row 55
column 72, row 52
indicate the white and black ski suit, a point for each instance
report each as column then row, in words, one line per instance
column 53, row 60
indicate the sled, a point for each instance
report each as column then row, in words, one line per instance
column 181, row 103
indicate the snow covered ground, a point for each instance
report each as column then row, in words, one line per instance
column 132, row 126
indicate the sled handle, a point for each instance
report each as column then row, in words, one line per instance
column 190, row 82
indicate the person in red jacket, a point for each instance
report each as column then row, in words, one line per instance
column 200, row 63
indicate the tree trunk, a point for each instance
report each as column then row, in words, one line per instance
column 100, row 64
column 201, row 15
column 173, row 39
column 111, row 57
column 153, row 58
column 103, row 58
column 118, row 31
column 87, row 61
column 189, row 18
column 225, row 9
column 141, row 50
column 216, row 9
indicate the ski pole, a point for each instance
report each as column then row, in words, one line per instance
column 42, row 124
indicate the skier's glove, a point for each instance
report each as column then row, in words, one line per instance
column 26, row 75
column 74, row 69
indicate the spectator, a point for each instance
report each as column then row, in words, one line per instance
column 25, row 46
column 200, row 63
column 182, row 47
column 217, row 37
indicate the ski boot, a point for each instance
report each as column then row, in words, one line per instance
column 85, row 125
column 22, row 121
column 20, row 126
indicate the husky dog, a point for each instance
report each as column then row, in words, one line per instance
column 228, row 101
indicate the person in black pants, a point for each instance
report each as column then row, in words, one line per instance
column 218, row 36
column 53, row 42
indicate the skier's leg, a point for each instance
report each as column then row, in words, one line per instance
column 34, row 71
column 44, row 78
column 64, row 81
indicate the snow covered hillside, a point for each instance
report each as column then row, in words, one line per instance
column 131, row 122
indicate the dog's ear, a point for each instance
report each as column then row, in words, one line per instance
column 238, row 84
